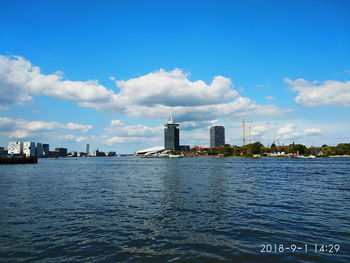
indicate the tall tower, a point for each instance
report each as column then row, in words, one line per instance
column 171, row 136
column 217, row 136
column 87, row 149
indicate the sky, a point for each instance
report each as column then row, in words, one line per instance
column 111, row 73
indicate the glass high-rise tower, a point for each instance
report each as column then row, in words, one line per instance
column 217, row 136
column 171, row 136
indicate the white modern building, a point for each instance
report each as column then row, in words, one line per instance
column 29, row 149
column 15, row 148
column 152, row 150
column 87, row 149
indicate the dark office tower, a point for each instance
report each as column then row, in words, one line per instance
column 46, row 150
column 217, row 136
column 171, row 136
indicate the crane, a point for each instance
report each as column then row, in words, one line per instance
column 244, row 130
column 250, row 131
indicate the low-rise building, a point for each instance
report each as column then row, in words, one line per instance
column 61, row 152
column 3, row 151
column 184, row 148
column 98, row 153
column 73, row 154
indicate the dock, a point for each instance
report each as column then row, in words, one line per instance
column 18, row 160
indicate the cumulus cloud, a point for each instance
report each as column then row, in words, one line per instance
column 80, row 127
column 316, row 93
column 19, row 80
column 240, row 107
column 173, row 88
column 154, row 95
column 20, row 128
column 134, row 130
column 71, row 138
column 116, row 123
column 193, row 125
column 313, row 131
column 258, row 130
column 287, row 131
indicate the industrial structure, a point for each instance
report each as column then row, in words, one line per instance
column 217, row 136
column 244, row 133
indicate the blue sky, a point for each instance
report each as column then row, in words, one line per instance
column 283, row 64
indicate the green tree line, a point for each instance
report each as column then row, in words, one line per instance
column 258, row 148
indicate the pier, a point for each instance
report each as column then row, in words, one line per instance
column 19, row 160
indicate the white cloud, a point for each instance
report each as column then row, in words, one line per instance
column 313, row 131
column 76, row 126
column 193, row 125
column 173, row 88
column 135, row 130
column 72, row 138
column 19, row 80
column 258, row 130
column 287, row 131
column 240, row 107
column 20, row 128
column 116, row 123
column 316, row 93
column 121, row 140
column 154, row 95
column 269, row 98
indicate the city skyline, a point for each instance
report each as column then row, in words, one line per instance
column 113, row 78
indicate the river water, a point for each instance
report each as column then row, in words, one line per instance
column 128, row 209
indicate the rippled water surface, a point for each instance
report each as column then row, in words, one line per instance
column 174, row 210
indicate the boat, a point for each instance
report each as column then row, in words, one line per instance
column 303, row 157
column 310, row 157
column 175, row 156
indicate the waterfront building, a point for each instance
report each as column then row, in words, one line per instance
column 60, row 152
column 184, row 148
column 15, row 148
column 46, row 150
column 3, row 151
column 87, row 149
column 39, row 150
column 29, row 149
column 152, row 150
column 171, row 136
column 217, row 136
column 98, row 153
column 73, row 154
